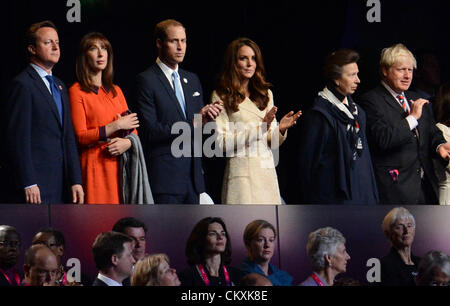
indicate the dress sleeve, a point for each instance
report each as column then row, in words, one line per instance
column 84, row 135
column 123, row 102
column 274, row 136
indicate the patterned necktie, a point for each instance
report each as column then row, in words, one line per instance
column 404, row 104
column 177, row 88
column 56, row 93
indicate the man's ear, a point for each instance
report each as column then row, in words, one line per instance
column 158, row 43
column 384, row 71
column 32, row 49
column 114, row 259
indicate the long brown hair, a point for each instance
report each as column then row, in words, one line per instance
column 82, row 68
column 441, row 106
column 229, row 87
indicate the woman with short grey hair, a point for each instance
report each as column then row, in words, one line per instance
column 326, row 250
column 399, row 267
column 434, row 269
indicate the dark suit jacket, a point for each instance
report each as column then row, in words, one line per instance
column 39, row 149
column 158, row 109
column 394, row 272
column 99, row 283
column 394, row 146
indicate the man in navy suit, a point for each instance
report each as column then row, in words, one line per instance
column 113, row 256
column 41, row 147
column 167, row 95
column 402, row 134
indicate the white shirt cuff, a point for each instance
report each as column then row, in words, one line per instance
column 412, row 122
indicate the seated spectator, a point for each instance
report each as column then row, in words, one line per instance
column 137, row 230
column 40, row 267
column 55, row 241
column 255, row 279
column 399, row 267
column 208, row 251
column 326, row 250
column 154, row 270
column 260, row 239
column 434, row 269
column 9, row 256
column 113, row 256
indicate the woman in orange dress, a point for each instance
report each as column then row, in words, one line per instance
column 101, row 120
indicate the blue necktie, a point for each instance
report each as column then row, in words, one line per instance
column 56, row 96
column 178, row 93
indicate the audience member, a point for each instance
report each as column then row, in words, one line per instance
column 113, row 256
column 208, row 251
column 10, row 248
column 40, row 267
column 399, row 267
column 328, row 255
column 154, row 270
column 434, row 270
column 260, row 239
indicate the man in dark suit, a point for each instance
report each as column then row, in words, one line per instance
column 41, row 147
column 113, row 257
column 167, row 95
column 10, row 247
column 402, row 134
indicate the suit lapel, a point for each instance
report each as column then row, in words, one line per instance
column 169, row 89
column 45, row 92
column 390, row 100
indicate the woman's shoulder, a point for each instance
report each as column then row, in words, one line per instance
column 75, row 87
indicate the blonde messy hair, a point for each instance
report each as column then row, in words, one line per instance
column 389, row 56
column 146, row 270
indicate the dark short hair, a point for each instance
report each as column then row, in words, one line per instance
column 59, row 237
column 195, row 245
column 106, row 245
column 30, row 255
column 161, row 28
column 123, row 223
column 31, row 32
column 334, row 62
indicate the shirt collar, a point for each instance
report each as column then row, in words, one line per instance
column 391, row 91
column 108, row 281
column 166, row 69
column 42, row 73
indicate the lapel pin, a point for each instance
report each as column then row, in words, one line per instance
column 60, row 87
column 185, row 80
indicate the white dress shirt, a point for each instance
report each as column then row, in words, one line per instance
column 168, row 73
column 108, row 281
column 412, row 122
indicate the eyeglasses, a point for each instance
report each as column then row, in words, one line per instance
column 440, row 284
column 10, row 244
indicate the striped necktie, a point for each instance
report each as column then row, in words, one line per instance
column 403, row 103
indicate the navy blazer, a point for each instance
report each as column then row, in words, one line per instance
column 158, row 109
column 40, row 149
column 394, row 146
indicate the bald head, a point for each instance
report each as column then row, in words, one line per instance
column 41, row 266
column 255, row 279
column 10, row 245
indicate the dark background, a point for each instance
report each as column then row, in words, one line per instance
column 294, row 37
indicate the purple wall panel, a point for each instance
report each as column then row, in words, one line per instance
column 27, row 219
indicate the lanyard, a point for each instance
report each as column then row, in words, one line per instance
column 317, row 280
column 205, row 278
column 16, row 277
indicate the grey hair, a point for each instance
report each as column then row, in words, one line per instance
column 322, row 242
column 433, row 259
column 397, row 213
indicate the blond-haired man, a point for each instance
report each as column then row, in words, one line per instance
column 402, row 134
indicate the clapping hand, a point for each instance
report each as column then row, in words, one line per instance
column 289, row 120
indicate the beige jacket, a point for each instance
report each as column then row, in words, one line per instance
column 250, row 176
